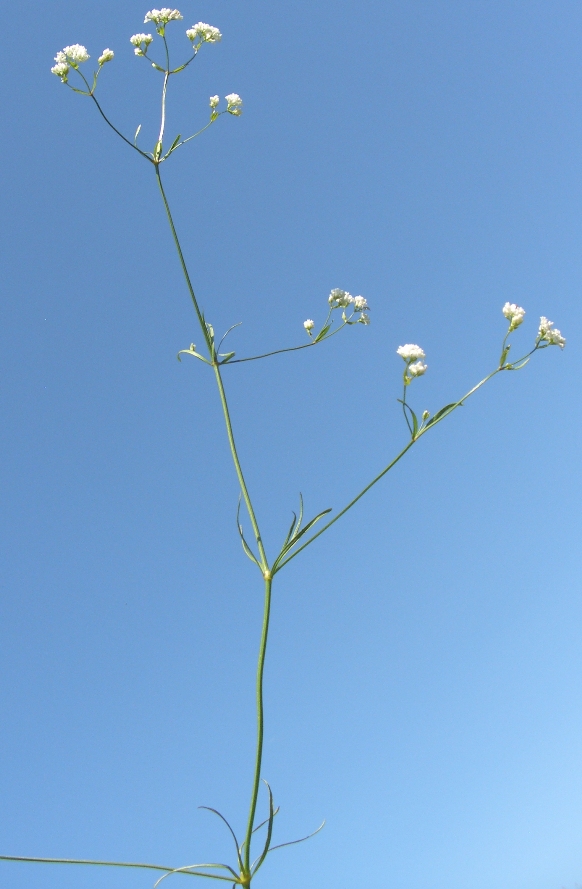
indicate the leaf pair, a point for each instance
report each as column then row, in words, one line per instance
column 295, row 533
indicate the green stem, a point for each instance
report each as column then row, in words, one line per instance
column 88, row 861
column 253, row 519
column 351, row 503
column 380, row 475
column 260, row 725
column 183, row 261
column 239, row 472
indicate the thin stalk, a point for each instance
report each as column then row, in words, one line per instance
column 183, row 262
column 380, row 475
column 239, row 472
column 260, row 725
column 352, row 502
column 87, row 861
column 164, row 90
column 289, row 349
column 106, row 119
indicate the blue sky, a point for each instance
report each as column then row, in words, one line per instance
column 424, row 675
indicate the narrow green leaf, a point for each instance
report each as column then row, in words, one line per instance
column 441, row 413
column 519, row 365
column 291, row 529
column 302, row 840
column 226, row 357
column 269, row 831
column 298, row 535
column 414, row 422
column 158, row 150
column 174, row 143
column 300, row 511
column 245, row 546
column 232, row 833
column 504, row 355
column 136, row 134
column 321, row 334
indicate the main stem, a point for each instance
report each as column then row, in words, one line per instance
column 260, row 725
column 255, row 525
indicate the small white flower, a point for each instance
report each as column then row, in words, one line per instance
column 61, row 69
column 74, row 53
column 163, row 16
column 360, row 304
column 364, row 318
column 410, row 352
column 234, row 105
column 206, row 33
column 339, row 298
column 214, row 100
column 139, row 39
column 550, row 334
column 105, row 56
column 309, row 324
column 514, row 314
column 417, row 369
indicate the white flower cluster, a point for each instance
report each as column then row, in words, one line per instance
column 214, row 100
column 417, row 368
column 105, row 56
column 514, row 314
column 341, row 299
column 549, row 334
column 69, row 56
column 74, row 53
column 412, row 355
column 141, row 43
column 61, row 69
column 410, row 352
column 309, row 324
column 206, row 33
column 163, row 16
column 234, row 104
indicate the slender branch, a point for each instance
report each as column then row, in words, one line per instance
column 238, row 467
column 87, row 861
column 91, row 94
column 121, row 136
column 209, row 124
column 290, row 349
column 164, row 90
column 350, row 504
column 413, row 441
column 183, row 262
column 260, row 724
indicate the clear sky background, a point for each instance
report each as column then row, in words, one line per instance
column 424, row 676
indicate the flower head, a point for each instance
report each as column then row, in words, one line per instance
column 514, row 314
column 61, row 69
column 364, row 318
column 140, row 39
column 234, row 104
column 410, row 352
column 417, row 369
column 360, row 304
column 72, row 55
column 549, row 334
column 105, row 56
column 339, row 298
column 214, row 100
column 309, row 324
column 206, row 33
column 163, row 16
